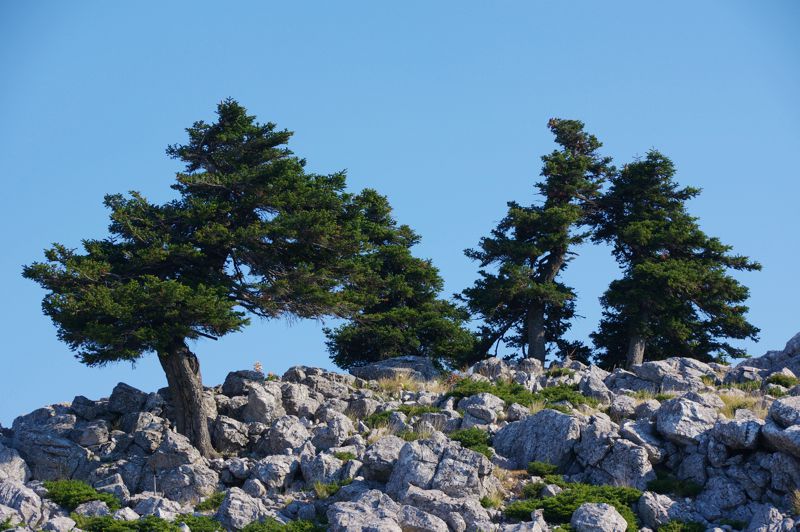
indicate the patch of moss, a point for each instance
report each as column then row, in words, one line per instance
column 72, row 493
column 345, row 456
column 667, row 484
column 559, row 508
column 212, row 503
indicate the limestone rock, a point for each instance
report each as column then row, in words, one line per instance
column 414, row 367
column 547, row 436
column 598, row 517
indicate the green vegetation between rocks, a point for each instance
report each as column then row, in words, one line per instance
column 681, row 526
column 560, row 372
column 559, row 508
column 146, row 524
column 72, row 493
column 541, row 469
column 271, row 525
column 323, row 491
column 787, row 381
column 667, row 484
column 345, row 456
column 212, row 503
column 512, row 392
column 473, row 438
column 381, row 419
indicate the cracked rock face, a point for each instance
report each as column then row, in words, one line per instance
column 316, row 444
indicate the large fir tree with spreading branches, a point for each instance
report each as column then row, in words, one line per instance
column 676, row 297
column 402, row 313
column 522, row 301
column 251, row 233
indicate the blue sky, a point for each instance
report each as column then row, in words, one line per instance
column 442, row 106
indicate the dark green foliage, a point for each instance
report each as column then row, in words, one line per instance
column 5, row 523
column 490, row 502
column 345, row 456
column 540, row 469
column 402, row 313
column 676, row 297
column 681, row 526
column 271, row 525
column 72, row 493
column 212, row 503
column 512, row 392
column 473, row 438
column 146, row 524
column 787, row 381
column 746, row 386
column 251, row 232
column 532, row 490
column 378, row 419
column 520, row 299
column 559, row 508
column 560, row 372
column 667, row 484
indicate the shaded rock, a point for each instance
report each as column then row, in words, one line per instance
column 719, row 494
column 42, row 440
column 419, row 368
column 93, row 509
column 787, row 440
column 125, row 398
column 786, row 411
column 484, row 407
column 598, row 517
column 60, row 523
column 148, row 503
column 264, row 402
column 239, row 382
column 12, row 466
column 239, row 509
column 23, row 500
column 229, row 435
column 459, row 513
column 381, row 457
column 413, row 519
column 742, row 432
column 682, row 421
column 547, row 436
column 126, row 514
column 622, row 407
column 324, row 468
column 656, row 510
column 372, row 511
column 276, row 472
column 286, row 432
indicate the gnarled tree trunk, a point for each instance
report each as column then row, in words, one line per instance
column 186, row 392
column 537, row 341
column 636, row 345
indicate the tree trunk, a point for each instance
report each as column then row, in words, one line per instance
column 186, row 392
column 537, row 341
column 636, row 346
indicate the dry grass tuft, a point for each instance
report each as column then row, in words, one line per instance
column 755, row 403
column 794, row 500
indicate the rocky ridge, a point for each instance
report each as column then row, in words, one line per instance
column 713, row 445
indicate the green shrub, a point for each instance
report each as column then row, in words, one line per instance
column 345, row 456
column 541, row 469
column 787, row 381
column 564, row 528
column 417, row 410
column 109, row 524
column 512, row 392
column 72, row 493
column 410, row 435
column 531, row 490
column 667, row 484
column 491, row 502
column 560, row 372
column 323, row 491
column 681, row 526
column 746, row 386
column 473, row 438
column 6, row 524
column 212, row 503
column 378, row 419
column 559, row 508
column 271, row 525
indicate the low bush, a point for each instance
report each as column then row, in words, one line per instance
column 512, row 392
column 787, row 381
column 212, row 503
column 494, row 501
column 681, row 526
column 473, row 438
column 271, row 525
column 746, row 386
column 532, row 490
column 146, row 524
column 560, row 372
column 541, row 469
column 667, row 484
column 345, row 456
column 72, row 493
column 378, row 419
column 559, row 508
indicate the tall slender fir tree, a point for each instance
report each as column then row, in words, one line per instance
column 675, row 297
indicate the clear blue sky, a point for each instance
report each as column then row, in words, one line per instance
column 442, row 106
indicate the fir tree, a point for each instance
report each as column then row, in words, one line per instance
column 251, row 233
column 675, row 297
column 402, row 313
column 523, row 302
